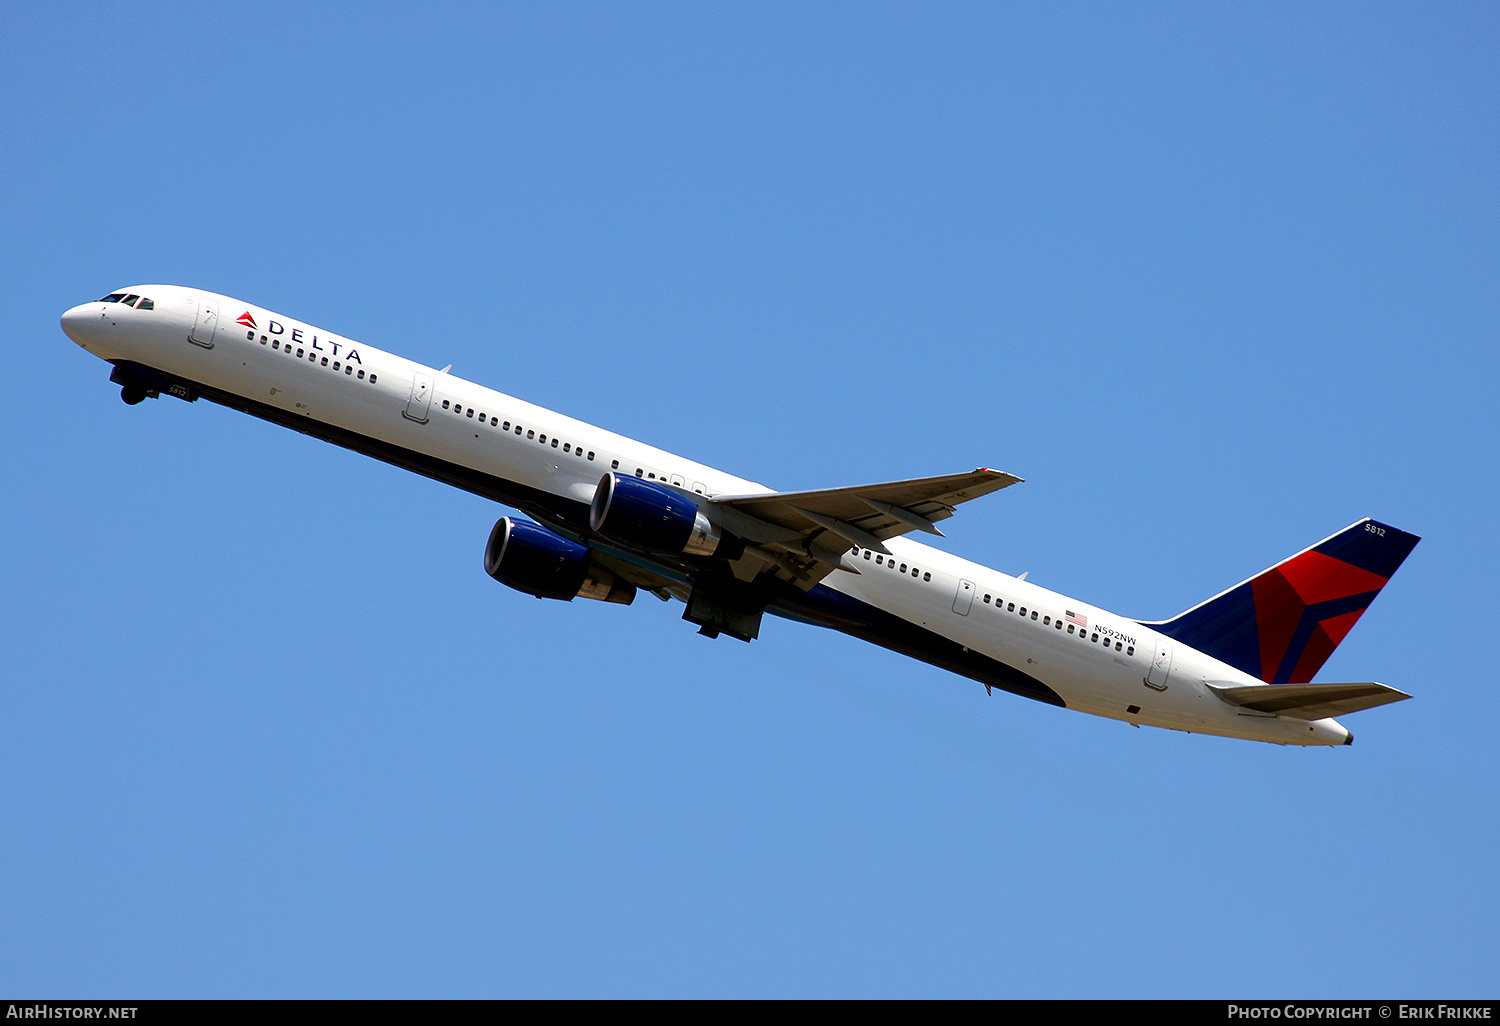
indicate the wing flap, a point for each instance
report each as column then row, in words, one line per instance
column 1310, row 701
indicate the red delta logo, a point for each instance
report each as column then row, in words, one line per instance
column 245, row 319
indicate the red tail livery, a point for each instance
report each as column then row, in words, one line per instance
column 1284, row 623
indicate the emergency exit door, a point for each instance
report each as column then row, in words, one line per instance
column 421, row 399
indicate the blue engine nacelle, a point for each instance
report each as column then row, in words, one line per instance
column 648, row 515
column 532, row 559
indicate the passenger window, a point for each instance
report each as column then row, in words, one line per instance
column 1093, row 637
column 613, row 464
column 915, row 571
column 325, row 361
column 348, row 368
column 372, row 378
column 445, row 404
column 1046, row 621
column 1070, row 628
column 867, row 553
column 1130, row 650
column 639, row 472
column 518, row 429
column 567, row 447
column 880, row 561
column 530, row 435
column 299, row 356
column 335, row 365
column 554, row 443
column 928, row 577
column 1118, row 646
column 469, row 413
column 1033, row 614
column 505, row 426
column 986, row 600
column 494, row 421
column 903, row 568
column 1023, row 610
column 591, row 455
column 1011, row 608
column 361, row 374
column 541, row 439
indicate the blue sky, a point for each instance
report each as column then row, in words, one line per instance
column 1216, row 280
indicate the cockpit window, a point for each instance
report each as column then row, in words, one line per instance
column 129, row 300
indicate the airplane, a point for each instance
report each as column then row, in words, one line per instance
column 611, row 517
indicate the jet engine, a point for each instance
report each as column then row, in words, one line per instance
column 649, row 516
column 532, row 559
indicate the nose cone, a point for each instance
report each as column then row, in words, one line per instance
column 77, row 321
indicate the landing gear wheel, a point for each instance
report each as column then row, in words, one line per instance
column 132, row 394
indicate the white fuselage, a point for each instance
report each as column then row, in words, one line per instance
column 1113, row 666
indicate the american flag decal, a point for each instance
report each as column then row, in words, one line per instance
column 1081, row 621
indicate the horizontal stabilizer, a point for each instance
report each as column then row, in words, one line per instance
column 1310, row 701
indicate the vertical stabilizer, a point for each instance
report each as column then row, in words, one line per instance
column 1284, row 623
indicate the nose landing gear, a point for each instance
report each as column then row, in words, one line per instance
column 137, row 383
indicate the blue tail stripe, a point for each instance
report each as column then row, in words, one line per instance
column 1311, row 617
column 1225, row 629
column 1371, row 545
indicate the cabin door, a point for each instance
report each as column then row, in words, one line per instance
column 963, row 598
column 1161, row 667
column 206, row 323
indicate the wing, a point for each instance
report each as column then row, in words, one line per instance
column 803, row 536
